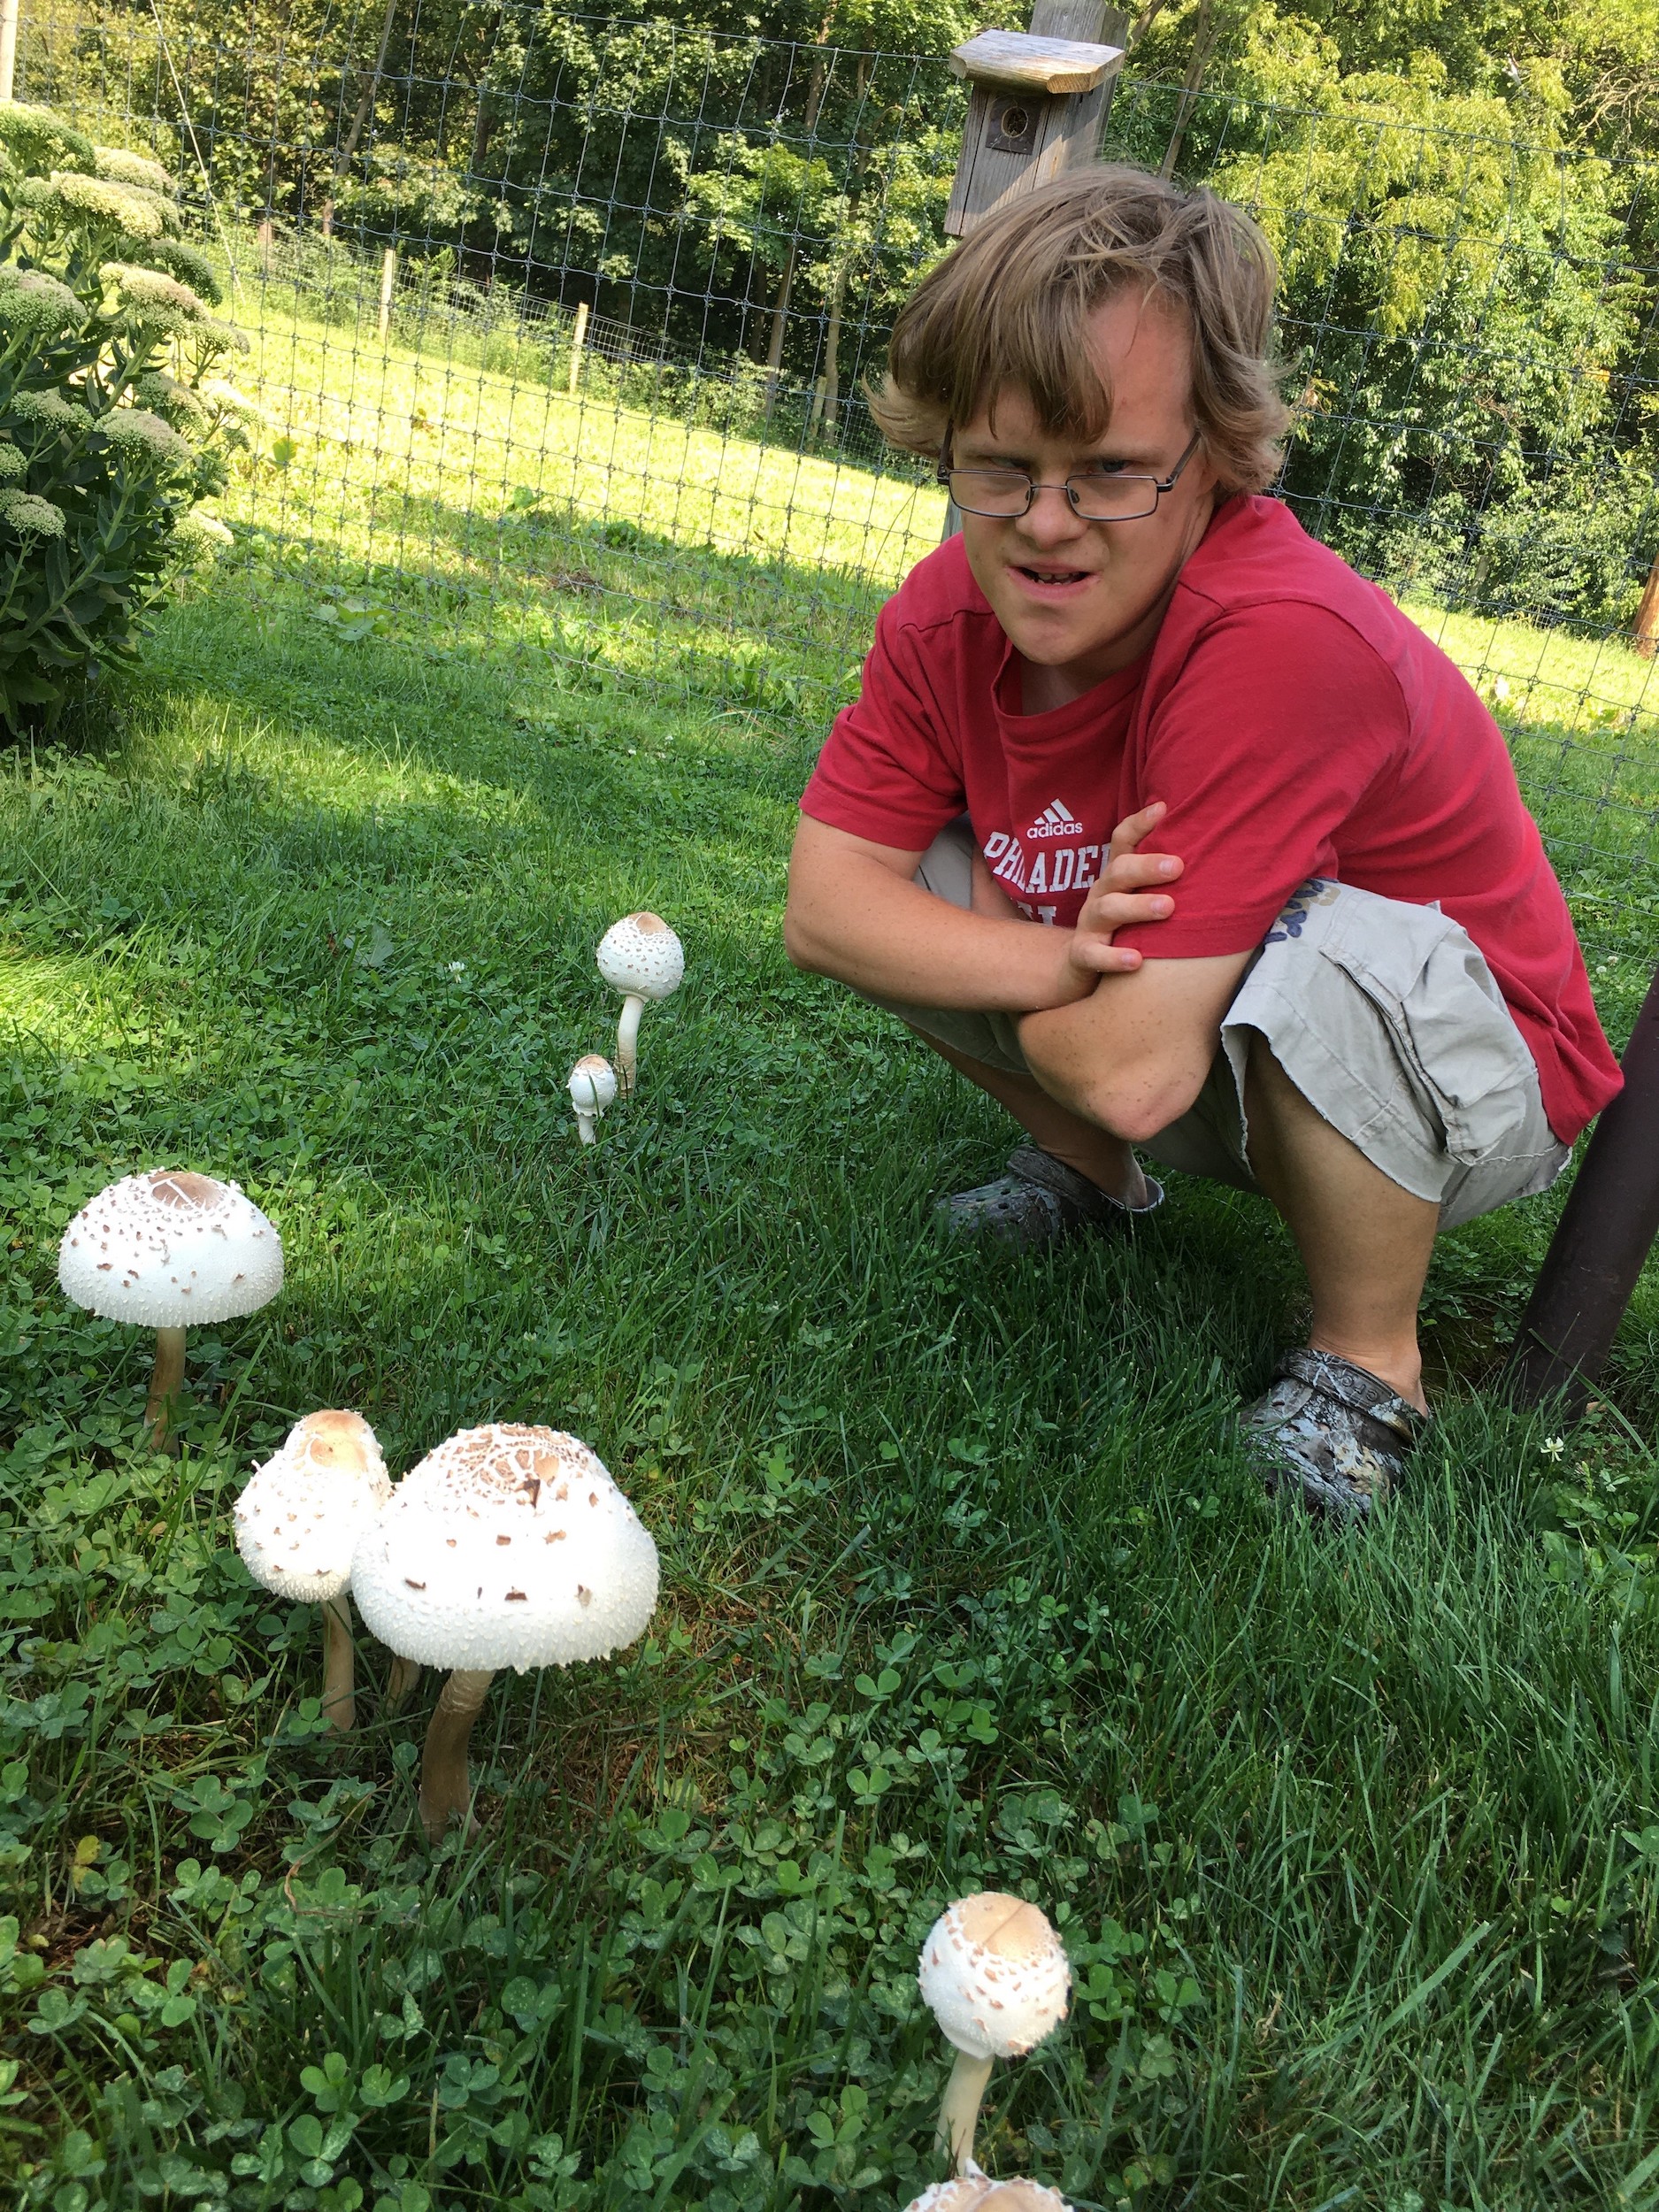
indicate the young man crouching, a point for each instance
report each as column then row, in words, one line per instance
column 1165, row 828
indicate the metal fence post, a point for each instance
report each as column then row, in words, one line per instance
column 9, row 12
column 1606, row 1230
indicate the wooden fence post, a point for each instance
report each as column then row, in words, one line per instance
column 1037, row 107
column 389, row 279
column 579, row 338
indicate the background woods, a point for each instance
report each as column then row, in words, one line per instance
column 1465, row 202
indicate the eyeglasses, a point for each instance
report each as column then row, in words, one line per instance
column 1007, row 493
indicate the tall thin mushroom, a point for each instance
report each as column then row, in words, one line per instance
column 641, row 957
column 508, row 1546
column 298, row 1523
column 997, row 1980
column 170, row 1250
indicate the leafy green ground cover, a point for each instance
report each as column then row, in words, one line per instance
column 1354, row 1844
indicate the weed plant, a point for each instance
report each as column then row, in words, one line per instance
column 967, row 1581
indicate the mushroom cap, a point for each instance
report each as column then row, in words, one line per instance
column 996, row 1976
column 507, row 1546
column 974, row 2191
column 593, row 1084
column 641, row 955
column 300, row 1516
column 170, row 1250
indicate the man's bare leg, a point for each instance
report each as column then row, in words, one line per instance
column 1364, row 1241
column 1107, row 1161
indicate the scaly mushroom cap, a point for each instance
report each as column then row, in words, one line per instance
column 301, row 1514
column 592, row 1083
column 507, row 1546
column 995, row 1974
column 976, row 2192
column 170, row 1250
column 641, row 955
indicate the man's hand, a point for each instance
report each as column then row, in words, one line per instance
column 1123, row 894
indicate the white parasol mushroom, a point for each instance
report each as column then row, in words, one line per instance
column 973, row 2191
column 169, row 1250
column 641, row 957
column 298, row 1523
column 593, row 1088
column 998, row 1981
column 507, row 1546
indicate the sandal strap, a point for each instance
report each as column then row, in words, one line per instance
column 1356, row 1388
column 1030, row 1165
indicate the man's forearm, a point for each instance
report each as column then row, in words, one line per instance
column 887, row 936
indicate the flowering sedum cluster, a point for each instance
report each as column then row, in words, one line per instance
column 113, row 427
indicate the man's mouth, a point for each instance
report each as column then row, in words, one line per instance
column 1053, row 577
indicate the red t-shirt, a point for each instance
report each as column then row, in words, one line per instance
column 1295, row 722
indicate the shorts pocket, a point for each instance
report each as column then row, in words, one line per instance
column 1448, row 1018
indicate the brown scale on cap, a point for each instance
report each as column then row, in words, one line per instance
column 178, row 1186
column 1007, row 1927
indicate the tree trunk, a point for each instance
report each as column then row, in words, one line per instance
column 831, row 352
column 1647, row 638
column 1203, row 45
column 780, row 319
column 365, row 108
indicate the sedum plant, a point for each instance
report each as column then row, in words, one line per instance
column 113, row 423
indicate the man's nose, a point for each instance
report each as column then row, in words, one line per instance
column 1050, row 518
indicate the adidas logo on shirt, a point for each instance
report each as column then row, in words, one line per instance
column 1055, row 821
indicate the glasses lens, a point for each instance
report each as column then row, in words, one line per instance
column 991, row 491
column 1112, row 498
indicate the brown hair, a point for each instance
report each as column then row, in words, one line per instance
column 1009, row 307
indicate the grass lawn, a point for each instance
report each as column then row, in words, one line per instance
column 1354, row 1844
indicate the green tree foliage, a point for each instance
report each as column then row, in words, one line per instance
column 111, row 425
column 1464, row 198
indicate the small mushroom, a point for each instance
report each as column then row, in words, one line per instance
column 507, row 1546
column 593, row 1088
column 298, row 1523
column 973, row 2191
column 641, row 957
column 169, row 1250
column 997, row 1980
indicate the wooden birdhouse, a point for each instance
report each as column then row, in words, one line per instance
column 1037, row 106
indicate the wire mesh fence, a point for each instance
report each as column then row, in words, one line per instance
column 561, row 328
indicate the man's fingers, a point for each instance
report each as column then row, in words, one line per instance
column 1129, row 871
column 1099, row 958
column 1117, row 909
column 1134, row 827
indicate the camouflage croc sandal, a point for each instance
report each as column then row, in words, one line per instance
column 1332, row 1433
column 1040, row 1202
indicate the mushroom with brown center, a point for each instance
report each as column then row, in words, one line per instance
column 998, row 1981
column 973, row 2191
column 593, row 1087
column 508, row 1546
column 298, row 1524
column 170, row 1250
column 641, row 957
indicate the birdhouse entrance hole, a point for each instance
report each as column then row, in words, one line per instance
column 1012, row 129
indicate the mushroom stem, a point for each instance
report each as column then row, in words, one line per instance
column 587, row 1122
column 959, row 2113
column 166, row 1381
column 401, row 1680
column 339, row 1664
column 628, row 1043
column 446, row 1793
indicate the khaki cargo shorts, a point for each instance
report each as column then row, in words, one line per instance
column 1385, row 1015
